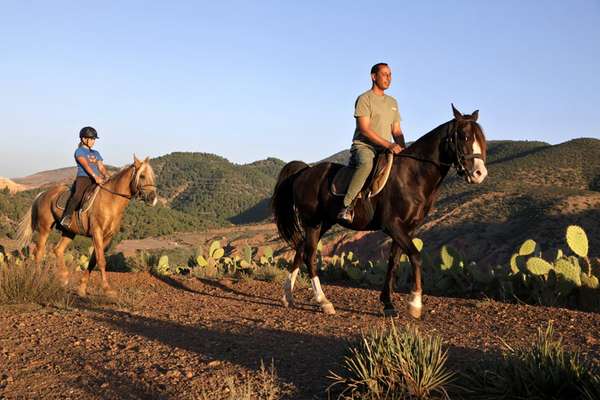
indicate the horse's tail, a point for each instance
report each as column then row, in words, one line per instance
column 27, row 225
column 282, row 204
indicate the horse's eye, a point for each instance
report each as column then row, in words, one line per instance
column 143, row 176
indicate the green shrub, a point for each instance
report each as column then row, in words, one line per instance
column 394, row 363
column 543, row 370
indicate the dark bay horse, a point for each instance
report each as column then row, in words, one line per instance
column 101, row 223
column 305, row 209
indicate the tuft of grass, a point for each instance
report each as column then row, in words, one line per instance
column 25, row 282
column 394, row 363
column 269, row 273
column 544, row 370
column 262, row 385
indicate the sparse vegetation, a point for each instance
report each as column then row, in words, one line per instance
column 262, row 385
column 21, row 282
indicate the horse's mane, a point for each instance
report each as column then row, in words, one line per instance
column 414, row 148
column 117, row 175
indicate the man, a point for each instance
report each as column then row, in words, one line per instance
column 90, row 169
column 377, row 129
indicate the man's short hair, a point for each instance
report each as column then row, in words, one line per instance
column 375, row 68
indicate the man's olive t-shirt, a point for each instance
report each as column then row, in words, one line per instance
column 382, row 111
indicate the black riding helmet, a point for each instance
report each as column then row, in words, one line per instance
column 88, row 132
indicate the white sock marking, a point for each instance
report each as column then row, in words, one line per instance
column 316, row 285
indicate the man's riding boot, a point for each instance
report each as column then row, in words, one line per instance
column 65, row 222
column 346, row 214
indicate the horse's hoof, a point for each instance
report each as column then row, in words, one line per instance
column 288, row 303
column 328, row 308
column 415, row 312
column 82, row 292
column 390, row 312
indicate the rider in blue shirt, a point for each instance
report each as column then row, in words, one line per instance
column 90, row 170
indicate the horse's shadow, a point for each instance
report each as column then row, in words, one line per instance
column 249, row 297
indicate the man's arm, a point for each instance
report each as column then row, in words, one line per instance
column 398, row 135
column 365, row 128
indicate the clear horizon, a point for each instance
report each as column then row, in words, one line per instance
column 249, row 81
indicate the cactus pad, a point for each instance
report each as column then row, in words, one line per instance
column 577, row 240
column 538, row 266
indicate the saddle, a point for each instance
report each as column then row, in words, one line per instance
column 86, row 203
column 375, row 182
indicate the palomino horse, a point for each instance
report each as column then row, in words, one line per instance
column 305, row 209
column 102, row 221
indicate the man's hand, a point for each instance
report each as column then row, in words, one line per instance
column 395, row 148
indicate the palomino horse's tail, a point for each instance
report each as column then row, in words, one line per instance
column 282, row 204
column 26, row 226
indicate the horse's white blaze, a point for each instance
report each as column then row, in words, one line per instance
column 479, row 169
column 316, row 285
column 415, row 300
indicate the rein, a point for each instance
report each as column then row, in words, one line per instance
column 451, row 140
column 135, row 193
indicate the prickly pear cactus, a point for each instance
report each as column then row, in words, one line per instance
column 215, row 251
column 163, row 261
column 418, row 243
column 247, row 254
column 514, row 263
column 577, row 240
column 201, row 261
column 449, row 257
column 568, row 270
column 538, row 266
column 589, row 281
column 528, row 247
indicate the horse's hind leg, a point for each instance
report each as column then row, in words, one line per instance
column 59, row 252
column 310, row 257
column 288, row 286
column 40, row 245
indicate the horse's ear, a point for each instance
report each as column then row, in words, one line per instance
column 146, row 159
column 137, row 163
column 475, row 115
column 457, row 114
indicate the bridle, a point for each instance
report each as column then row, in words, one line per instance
column 136, row 190
column 450, row 146
column 451, row 143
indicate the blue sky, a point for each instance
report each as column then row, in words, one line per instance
column 248, row 80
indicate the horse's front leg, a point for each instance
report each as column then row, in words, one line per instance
column 388, row 286
column 100, row 243
column 415, row 306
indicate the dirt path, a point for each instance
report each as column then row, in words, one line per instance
column 173, row 338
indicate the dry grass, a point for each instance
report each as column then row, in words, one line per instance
column 24, row 282
column 262, row 385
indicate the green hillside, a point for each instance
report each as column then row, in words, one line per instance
column 212, row 188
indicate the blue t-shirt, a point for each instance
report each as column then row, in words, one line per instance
column 92, row 157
